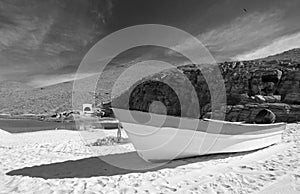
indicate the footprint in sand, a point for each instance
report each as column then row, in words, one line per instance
column 245, row 167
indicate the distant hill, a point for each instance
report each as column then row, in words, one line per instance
column 293, row 55
column 18, row 98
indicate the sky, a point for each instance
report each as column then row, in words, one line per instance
column 43, row 42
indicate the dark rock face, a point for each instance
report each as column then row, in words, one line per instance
column 147, row 93
column 251, row 86
column 170, row 88
column 265, row 116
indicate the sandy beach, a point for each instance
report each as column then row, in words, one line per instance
column 60, row 161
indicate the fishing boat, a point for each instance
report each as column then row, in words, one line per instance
column 161, row 137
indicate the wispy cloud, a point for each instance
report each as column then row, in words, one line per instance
column 46, row 80
column 280, row 45
column 252, row 30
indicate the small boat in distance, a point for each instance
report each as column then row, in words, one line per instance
column 161, row 137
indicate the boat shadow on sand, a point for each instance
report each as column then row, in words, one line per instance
column 116, row 164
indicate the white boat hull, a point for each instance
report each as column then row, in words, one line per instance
column 192, row 137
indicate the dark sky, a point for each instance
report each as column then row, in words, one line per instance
column 231, row 29
column 42, row 42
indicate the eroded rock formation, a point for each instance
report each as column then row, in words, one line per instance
column 250, row 87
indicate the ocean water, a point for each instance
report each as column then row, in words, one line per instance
column 30, row 125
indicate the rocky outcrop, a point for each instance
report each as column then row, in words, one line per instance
column 258, row 78
column 247, row 112
column 183, row 91
column 250, row 87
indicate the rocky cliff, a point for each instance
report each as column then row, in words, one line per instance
column 250, row 87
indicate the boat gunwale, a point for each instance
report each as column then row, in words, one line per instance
column 195, row 119
column 195, row 125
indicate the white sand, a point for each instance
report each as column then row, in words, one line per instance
column 270, row 170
